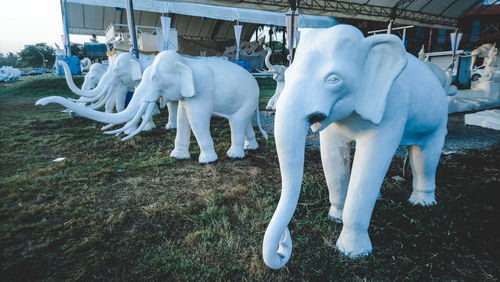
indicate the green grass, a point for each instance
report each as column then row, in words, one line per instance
column 167, row 219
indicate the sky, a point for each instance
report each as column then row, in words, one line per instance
column 31, row 21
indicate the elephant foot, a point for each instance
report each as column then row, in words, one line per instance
column 335, row 214
column 180, row 154
column 422, row 198
column 354, row 244
column 251, row 145
column 150, row 125
column 207, row 157
column 235, row 153
column 170, row 125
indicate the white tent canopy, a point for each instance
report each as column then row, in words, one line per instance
column 196, row 21
column 431, row 13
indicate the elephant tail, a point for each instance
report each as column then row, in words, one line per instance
column 262, row 131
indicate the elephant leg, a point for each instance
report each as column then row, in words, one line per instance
column 110, row 104
column 250, row 141
column 172, row 115
column 199, row 121
column 149, row 119
column 336, row 160
column 271, row 104
column 371, row 162
column 238, row 129
column 182, row 136
column 424, row 161
column 121, row 96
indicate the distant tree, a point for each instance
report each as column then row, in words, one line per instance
column 78, row 50
column 93, row 39
column 10, row 59
column 31, row 57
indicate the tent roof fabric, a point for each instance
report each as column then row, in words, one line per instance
column 192, row 20
column 211, row 19
column 431, row 13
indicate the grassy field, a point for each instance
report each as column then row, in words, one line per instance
column 117, row 210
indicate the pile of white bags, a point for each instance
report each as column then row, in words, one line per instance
column 9, row 74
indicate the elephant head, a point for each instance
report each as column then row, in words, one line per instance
column 336, row 73
column 126, row 70
column 94, row 75
column 167, row 77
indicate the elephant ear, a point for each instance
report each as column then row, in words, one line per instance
column 386, row 58
column 187, row 82
column 135, row 70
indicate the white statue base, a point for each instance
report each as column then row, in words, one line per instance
column 488, row 119
column 482, row 95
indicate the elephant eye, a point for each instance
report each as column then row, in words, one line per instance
column 332, row 79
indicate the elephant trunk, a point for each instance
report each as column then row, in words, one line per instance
column 290, row 134
column 267, row 59
column 87, row 84
column 71, row 84
column 82, row 110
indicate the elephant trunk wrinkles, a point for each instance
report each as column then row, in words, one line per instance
column 71, row 84
column 82, row 110
column 290, row 134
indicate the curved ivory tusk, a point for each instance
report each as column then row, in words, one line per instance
column 91, row 99
column 74, row 88
column 147, row 115
column 131, row 122
column 108, row 126
column 101, row 102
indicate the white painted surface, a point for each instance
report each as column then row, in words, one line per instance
column 488, row 119
column 371, row 91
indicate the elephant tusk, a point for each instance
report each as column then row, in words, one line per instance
column 129, row 124
column 147, row 115
column 90, row 99
column 107, row 126
column 101, row 102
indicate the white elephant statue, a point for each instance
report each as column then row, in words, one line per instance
column 482, row 51
column 367, row 90
column 111, row 91
column 203, row 87
column 278, row 72
column 85, row 64
column 94, row 75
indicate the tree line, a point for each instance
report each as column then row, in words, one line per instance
column 31, row 56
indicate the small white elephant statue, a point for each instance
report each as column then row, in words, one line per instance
column 367, row 90
column 482, row 51
column 85, row 64
column 111, row 90
column 278, row 72
column 203, row 87
column 93, row 76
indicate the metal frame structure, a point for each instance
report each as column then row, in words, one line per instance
column 401, row 11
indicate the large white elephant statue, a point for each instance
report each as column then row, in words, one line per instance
column 203, row 87
column 367, row 90
column 278, row 72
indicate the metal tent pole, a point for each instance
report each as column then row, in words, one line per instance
column 131, row 27
column 389, row 27
column 67, row 46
